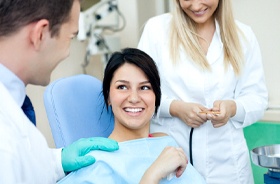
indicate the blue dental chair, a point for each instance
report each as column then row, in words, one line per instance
column 75, row 109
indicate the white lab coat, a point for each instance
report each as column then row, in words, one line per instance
column 219, row 154
column 24, row 154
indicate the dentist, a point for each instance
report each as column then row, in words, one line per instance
column 35, row 36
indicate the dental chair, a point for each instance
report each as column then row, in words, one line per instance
column 75, row 109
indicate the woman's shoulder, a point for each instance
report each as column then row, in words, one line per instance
column 247, row 36
column 158, row 134
column 246, row 29
column 155, row 30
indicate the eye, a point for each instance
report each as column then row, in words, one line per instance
column 122, row 87
column 146, row 87
column 73, row 36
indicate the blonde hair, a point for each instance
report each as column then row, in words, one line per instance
column 183, row 33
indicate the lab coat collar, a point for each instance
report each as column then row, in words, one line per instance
column 215, row 49
column 10, row 108
column 14, row 85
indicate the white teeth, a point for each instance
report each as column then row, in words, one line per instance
column 133, row 109
column 199, row 12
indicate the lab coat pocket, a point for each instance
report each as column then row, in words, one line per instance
column 243, row 164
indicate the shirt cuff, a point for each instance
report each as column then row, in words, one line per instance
column 164, row 109
column 239, row 117
column 59, row 170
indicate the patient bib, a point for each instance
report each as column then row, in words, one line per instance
column 129, row 163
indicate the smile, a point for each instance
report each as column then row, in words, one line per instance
column 133, row 110
column 199, row 13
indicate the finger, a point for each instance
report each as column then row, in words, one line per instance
column 182, row 155
column 216, row 104
column 209, row 116
column 202, row 117
column 194, row 125
column 84, row 161
column 110, row 146
column 180, row 171
column 99, row 143
column 215, row 117
column 183, row 164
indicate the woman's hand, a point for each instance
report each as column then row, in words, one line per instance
column 189, row 113
column 171, row 160
column 226, row 108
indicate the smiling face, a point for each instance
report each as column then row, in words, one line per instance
column 200, row 11
column 133, row 101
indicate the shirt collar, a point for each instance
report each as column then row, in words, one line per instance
column 215, row 49
column 14, row 85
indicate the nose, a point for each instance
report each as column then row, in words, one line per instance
column 196, row 5
column 133, row 97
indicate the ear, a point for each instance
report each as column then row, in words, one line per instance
column 39, row 33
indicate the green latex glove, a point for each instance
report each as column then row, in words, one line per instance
column 74, row 156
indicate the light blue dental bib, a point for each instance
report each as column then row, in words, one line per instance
column 128, row 164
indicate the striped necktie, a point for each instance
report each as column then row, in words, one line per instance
column 28, row 110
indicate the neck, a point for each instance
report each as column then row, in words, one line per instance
column 206, row 26
column 124, row 134
column 16, row 60
column 206, row 32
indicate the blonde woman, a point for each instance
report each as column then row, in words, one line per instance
column 212, row 85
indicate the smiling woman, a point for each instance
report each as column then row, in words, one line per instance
column 208, row 61
column 131, row 87
column 132, row 100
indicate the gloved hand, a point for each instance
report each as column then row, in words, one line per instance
column 73, row 156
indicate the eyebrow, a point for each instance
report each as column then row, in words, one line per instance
column 124, row 81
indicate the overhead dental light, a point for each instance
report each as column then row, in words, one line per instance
column 99, row 19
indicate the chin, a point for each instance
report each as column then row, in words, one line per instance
column 44, row 82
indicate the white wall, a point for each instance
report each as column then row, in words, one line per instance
column 137, row 12
column 264, row 18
